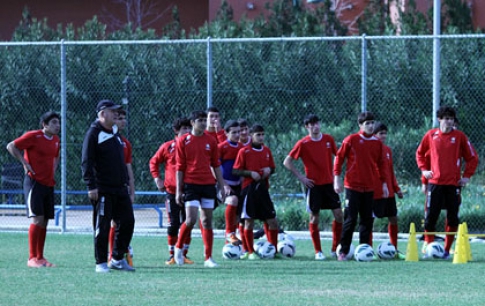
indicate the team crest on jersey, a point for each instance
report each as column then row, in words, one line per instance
column 453, row 139
column 172, row 147
column 207, row 147
column 187, row 139
column 328, row 145
column 388, row 156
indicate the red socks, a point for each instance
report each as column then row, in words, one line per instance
column 393, row 229
column 337, row 232
column 249, row 235
column 111, row 241
column 315, row 235
column 449, row 238
column 230, row 214
column 34, row 232
column 208, row 239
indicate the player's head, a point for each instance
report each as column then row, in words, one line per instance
column 257, row 134
column 213, row 117
column 244, row 132
column 312, row 124
column 107, row 112
column 50, row 123
column 366, row 122
column 181, row 126
column 198, row 120
column 311, row 118
column 380, row 131
column 232, row 130
column 446, row 117
column 121, row 119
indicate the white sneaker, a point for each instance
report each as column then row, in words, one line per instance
column 210, row 263
column 319, row 256
column 120, row 265
column 178, row 256
column 102, row 268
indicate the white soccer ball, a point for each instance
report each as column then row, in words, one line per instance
column 230, row 251
column 286, row 248
column 350, row 254
column 364, row 252
column 266, row 250
column 435, row 250
column 386, row 250
column 258, row 244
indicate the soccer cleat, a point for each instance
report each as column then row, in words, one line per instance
column 102, row 268
column 423, row 248
column 121, row 265
column 245, row 255
column 45, row 263
column 279, row 256
column 446, row 256
column 188, row 261
column 333, row 254
column 232, row 239
column 253, row 256
column 210, row 263
column 179, row 256
column 34, row 263
column 170, row 261
column 319, row 256
column 342, row 257
column 400, row 256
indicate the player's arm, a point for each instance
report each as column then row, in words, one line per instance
column 15, row 152
column 220, row 182
column 247, row 173
column 87, row 166
column 131, row 182
column 288, row 163
column 179, row 188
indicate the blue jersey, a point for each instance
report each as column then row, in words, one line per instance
column 228, row 152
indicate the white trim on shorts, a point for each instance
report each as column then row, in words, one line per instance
column 204, row 204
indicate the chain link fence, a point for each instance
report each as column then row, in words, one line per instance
column 275, row 82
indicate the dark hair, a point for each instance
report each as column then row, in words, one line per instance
column 446, row 111
column 230, row 124
column 311, row 118
column 379, row 126
column 46, row 117
column 179, row 123
column 122, row 112
column 212, row 109
column 197, row 115
column 242, row 122
column 256, row 128
column 365, row 116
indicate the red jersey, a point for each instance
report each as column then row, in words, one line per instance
column 317, row 156
column 218, row 136
column 40, row 152
column 391, row 178
column 127, row 150
column 228, row 153
column 446, row 152
column 364, row 154
column 165, row 155
column 252, row 159
column 195, row 155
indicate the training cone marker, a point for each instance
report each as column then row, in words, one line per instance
column 412, row 248
column 460, row 256
column 467, row 242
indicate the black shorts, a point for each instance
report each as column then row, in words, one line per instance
column 39, row 198
column 322, row 197
column 194, row 192
column 257, row 203
column 384, row 207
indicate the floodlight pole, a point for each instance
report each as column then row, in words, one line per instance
column 436, row 58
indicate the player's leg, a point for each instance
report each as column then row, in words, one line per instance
column 231, row 219
column 332, row 201
column 434, row 201
column 313, row 200
column 206, row 213
column 351, row 213
column 452, row 216
column 249, row 236
column 191, row 212
column 366, row 219
column 122, row 214
column 174, row 220
column 101, row 225
column 35, row 221
column 111, row 239
column 48, row 213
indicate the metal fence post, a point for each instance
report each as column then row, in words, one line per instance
column 364, row 75
column 63, row 135
column 209, row 72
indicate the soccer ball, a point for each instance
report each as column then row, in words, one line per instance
column 287, row 248
column 435, row 250
column 364, row 252
column 230, row 251
column 258, row 244
column 349, row 254
column 386, row 250
column 266, row 250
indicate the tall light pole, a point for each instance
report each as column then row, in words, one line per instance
column 125, row 102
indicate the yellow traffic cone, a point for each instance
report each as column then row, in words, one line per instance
column 460, row 256
column 467, row 242
column 412, row 248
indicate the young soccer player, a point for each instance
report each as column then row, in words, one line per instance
column 317, row 150
column 363, row 154
column 214, row 127
column 196, row 154
column 439, row 157
column 176, row 214
column 244, row 132
column 386, row 206
column 255, row 163
column 232, row 183
column 39, row 158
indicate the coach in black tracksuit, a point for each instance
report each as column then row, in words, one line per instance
column 105, row 174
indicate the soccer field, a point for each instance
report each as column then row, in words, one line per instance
column 296, row 281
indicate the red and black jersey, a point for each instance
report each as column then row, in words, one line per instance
column 391, row 181
column 165, row 155
column 41, row 152
column 317, row 157
column 195, row 155
column 443, row 153
column 364, row 154
column 252, row 159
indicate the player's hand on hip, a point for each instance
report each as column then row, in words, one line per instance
column 463, row 181
column 93, row 194
column 307, row 182
column 337, row 185
column 427, row 174
column 385, row 190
